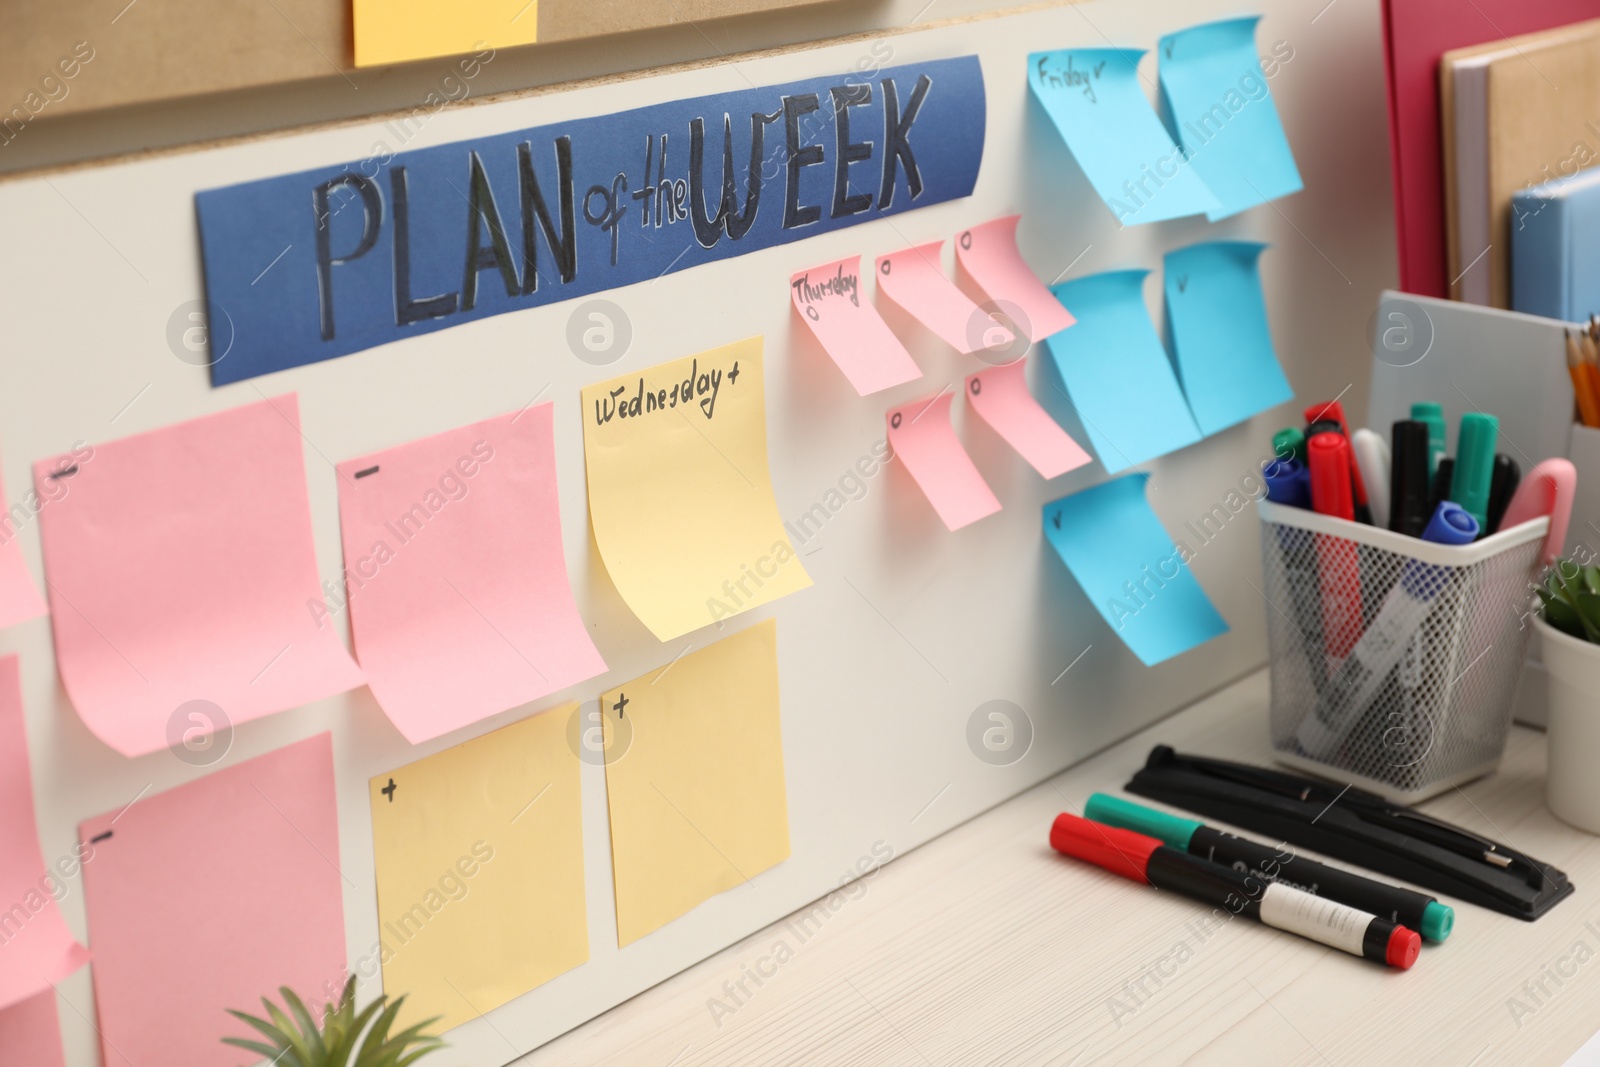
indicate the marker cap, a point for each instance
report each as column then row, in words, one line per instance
column 1331, row 488
column 1451, row 525
column 1431, row 414
column 1408, row 483
column 1287, row 482
column 1437, row 920
column 1173, row 830
column 1118, row 851
column 1290, row 441
column 1474, row 470
column 1403, row 949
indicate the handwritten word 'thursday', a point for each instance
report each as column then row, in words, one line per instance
column 841, row 284
column 699, row 385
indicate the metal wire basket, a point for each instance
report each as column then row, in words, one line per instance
column 1394, row 661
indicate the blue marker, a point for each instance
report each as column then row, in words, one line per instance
column 1288, row 482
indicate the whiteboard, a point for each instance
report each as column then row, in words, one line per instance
column 908, row 628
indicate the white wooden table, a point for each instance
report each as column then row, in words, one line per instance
column 984, row 946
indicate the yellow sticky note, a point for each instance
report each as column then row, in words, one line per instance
column 680, row 497
column 398, row 31
column 479, row 855
column 694, row 779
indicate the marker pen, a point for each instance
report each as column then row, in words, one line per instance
column 1289, row 441
column 1426, row 411
column 1415, row 911
column 1474, row 470
column 1338, row 559
column 1506, row 476
column 1375, row 655
column 1441, row 484
column 1372, row 460
column 1547, row 490
column 1144, row 859
column 1333, row 411
column 1287, row 482
column 1408, row 481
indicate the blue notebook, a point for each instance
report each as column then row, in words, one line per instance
column 1555, row 247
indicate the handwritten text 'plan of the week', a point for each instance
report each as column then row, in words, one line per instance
column 308, row 266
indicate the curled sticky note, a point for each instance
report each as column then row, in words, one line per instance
column 1217, row 321
column 1118, row 374
column 183, row 581
column 988, row 253
column 502, row 813
column 1097, row 103
column 829, row 299
column 695, row 779
column 459, row 601
column 209, row 896
column 923, row 439
column 30, row 1033
column 36, row 948
column 1001, row 398
column 1217, row 105
column 680, row 495
column 913, row 279
column 1130, row 569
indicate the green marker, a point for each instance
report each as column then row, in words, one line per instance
column 1432, row 414
column 1423, row 914
column 1470, row 483
column 1289, row 441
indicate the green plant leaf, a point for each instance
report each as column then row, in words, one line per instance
column 317, row 1051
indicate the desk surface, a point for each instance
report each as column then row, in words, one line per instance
column 983, row 946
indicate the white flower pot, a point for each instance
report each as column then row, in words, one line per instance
column 1572, row 788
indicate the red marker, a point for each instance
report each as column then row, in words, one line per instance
column 1338, row 560
column 1144, row 859
column 1333, row 410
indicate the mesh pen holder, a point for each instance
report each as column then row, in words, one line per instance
column 1394, row 660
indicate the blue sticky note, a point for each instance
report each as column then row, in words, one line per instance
column 1216, row 104
column 1217, row 323
column 1128, row 566
column 1116, row 372
column 1094, row 98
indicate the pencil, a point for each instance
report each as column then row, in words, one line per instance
column 1578, row 368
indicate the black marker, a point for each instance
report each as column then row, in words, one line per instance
column 1507, row 475
column 1408, row 479
column 1411, row 909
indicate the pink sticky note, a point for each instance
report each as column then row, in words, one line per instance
column 1000, row 397
column 183, row 583
column 829, row 299
column 989, row 255
column 30, row 1033
column 913, row 279
column 458, row 591
column 921, row 436
column 36, row 948
column 210, row 896
column 19, row 599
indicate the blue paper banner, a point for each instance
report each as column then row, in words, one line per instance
column 330, row 261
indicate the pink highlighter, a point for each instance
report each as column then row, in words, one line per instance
column 1547, row 490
